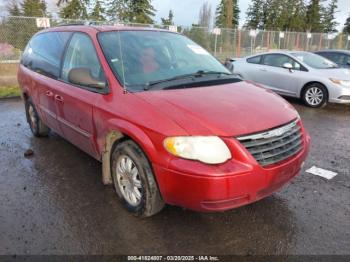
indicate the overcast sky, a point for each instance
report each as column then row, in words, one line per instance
column 186, row 11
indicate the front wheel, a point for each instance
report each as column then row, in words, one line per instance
column 134, row 181
column 315, row 95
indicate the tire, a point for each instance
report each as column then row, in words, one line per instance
column 134, row 181
column 38, row 128
column 315, row 95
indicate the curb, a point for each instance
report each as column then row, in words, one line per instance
column 10, row 98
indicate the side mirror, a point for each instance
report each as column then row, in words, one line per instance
column 82, row 76
column 288, row 66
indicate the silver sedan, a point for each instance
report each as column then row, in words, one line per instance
column 314, row 79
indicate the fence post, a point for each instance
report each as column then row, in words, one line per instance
column 238, row 53
column 340, row 41
column 297, row 41
column 320, row 43
column 215, row 44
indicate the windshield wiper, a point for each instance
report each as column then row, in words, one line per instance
column 199, row 73
column 203, row 72
column 333, row 66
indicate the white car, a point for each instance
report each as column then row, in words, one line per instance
column 305, row 75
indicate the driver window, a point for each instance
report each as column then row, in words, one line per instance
column 82, row 54
column 278, row 60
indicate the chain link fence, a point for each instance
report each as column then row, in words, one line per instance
column 15, row 32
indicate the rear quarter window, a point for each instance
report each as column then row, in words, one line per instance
column 254, row 60
column 44, row 53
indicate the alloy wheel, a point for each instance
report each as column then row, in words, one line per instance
column 314, row 96
column 128, row 180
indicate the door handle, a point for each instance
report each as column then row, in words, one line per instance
column 263, row 69
column 49, row 93
column 59, row 98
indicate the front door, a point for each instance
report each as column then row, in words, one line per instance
column 75, row 102
column 282, row 80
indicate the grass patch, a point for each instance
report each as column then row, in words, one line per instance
column 9, row 91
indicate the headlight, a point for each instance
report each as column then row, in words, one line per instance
column 341, row 82
column 207, row 149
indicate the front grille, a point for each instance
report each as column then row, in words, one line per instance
column 272, row 146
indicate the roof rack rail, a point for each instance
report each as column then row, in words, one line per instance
column 72, row 24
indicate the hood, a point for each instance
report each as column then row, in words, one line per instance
column 225, row 110
column 339, row 73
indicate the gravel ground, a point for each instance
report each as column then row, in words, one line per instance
column 53, row 202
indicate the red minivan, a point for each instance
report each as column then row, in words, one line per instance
column 169, row 123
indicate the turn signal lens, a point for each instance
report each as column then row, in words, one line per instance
column 341, row 82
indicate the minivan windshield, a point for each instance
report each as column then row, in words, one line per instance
column 141, row 59
column 314, row 61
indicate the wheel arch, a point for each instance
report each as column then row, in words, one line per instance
column 120, row 131
column 25, row 96
column 302, row 90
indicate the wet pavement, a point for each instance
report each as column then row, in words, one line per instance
column 53, row 202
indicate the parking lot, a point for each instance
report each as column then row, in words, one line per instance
column 54, row 202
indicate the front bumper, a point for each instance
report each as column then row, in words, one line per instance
column 238, row 182
column 339, row 94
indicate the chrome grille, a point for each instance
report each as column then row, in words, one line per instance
column 272, row 146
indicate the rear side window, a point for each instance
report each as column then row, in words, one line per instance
column 44, row 52
column 254, row 60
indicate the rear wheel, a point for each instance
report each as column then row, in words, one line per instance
column 134, row 181
column 36, row 125
column 315, row 95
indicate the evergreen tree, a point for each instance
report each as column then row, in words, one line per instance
column 313, row 16
column 140, row 11
column 75, row 9
column 97, row 13
column 283, row 15
column 273, row 16
column 169, row 20
column 346, row 28
column 117, row 10
column 34, row 8
column 255, row 14
column 221, row 14
column 13, row 36
column 296, row 17
column 236, row 12
column 13, row 9
column 328, row 18
column 59, row 2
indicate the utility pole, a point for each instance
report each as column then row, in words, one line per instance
column 229, row 13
